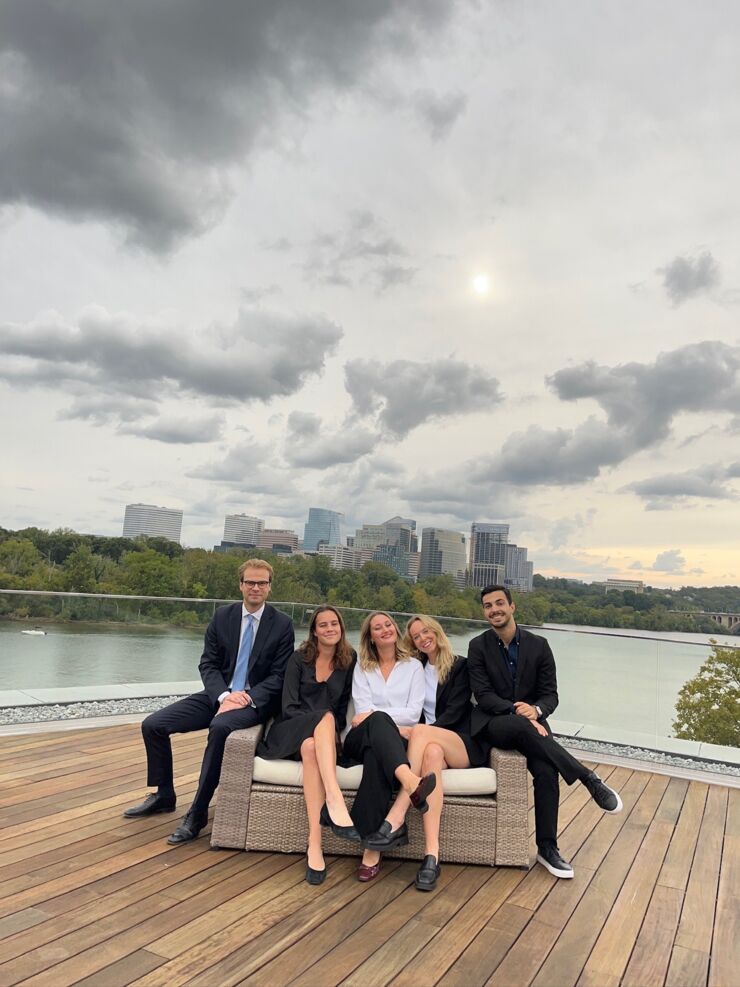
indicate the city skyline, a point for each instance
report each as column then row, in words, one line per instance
column 447, row 260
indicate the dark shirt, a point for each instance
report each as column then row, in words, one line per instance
column 511, row 653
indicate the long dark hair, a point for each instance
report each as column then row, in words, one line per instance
column 343, row 653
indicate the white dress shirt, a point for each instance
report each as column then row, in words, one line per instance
column 430, row 693
column 401, row 695
column 256, row 617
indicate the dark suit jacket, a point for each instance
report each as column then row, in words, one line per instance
column 273, row 645
column 453, row 698
column 493, row 687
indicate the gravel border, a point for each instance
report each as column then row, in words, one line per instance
column 14, row 715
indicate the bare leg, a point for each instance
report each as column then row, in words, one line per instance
column 313, row 792
column 326, row 756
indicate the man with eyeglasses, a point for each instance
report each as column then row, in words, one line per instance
column 247, row 646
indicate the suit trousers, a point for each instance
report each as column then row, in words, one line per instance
column 378, row 745
column 196, row 712
column 546, row 759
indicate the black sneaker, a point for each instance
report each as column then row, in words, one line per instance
column 606, row 798
column 549, row 857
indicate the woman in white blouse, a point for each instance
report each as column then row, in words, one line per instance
column 442, row 740
column 388, row 693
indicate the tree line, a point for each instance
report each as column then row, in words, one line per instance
column 64, row 560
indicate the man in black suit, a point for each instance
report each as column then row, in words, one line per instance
column 247, row 646
column 512, row 673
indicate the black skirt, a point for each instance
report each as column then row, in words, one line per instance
column 285, row 737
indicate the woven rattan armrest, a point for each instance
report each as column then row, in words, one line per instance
column 234, row 789
column 512, row 787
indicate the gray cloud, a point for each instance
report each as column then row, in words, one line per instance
column 672, row 489
column 439, row 112
column 671, row 560
column 133, row 113
column 362, row 251
column 404, row 394
column 685, row 277
column 178, row 431
column 564, row 528
column 103, row 409
column 309, row 444
column 261, row 356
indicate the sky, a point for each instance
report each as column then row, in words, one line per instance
column 470, row 261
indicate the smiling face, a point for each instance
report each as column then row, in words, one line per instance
column 383, row 631
column 423, row 639
column 255, row 586
column 498, row 611
column 327, row 629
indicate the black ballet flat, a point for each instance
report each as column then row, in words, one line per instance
column 344, row 832
column 314, row 876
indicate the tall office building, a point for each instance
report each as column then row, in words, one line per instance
column 393, row 543
column 242, row 529
column 487, row 553
column 443, row 552
column 342, row 557
column 322, row 527
column 146, row 519
column 519, row 573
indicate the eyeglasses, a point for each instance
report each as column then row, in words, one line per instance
column 257, row 583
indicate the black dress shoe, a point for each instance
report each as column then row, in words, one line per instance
column 151, row 804
column 344, row 832
column 384, row 838
column 549, row 856
column 427, row 874
column 191, row 825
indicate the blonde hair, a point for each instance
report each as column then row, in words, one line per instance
column 368, row 652
column 445, row 655
column 255, row 564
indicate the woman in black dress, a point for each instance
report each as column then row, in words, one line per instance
column 316, row 693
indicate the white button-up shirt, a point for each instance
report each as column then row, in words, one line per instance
column 430, row 692
column 401, row 695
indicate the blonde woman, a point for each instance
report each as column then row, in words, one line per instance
column 443, row 740
column 388, row 693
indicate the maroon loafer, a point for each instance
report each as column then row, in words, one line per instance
column 425, row 787
column 366, row 873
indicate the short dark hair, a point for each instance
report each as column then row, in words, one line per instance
column 496, row 588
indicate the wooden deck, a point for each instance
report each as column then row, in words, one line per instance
column 87, row 897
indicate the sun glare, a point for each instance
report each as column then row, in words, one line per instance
column 481, row 284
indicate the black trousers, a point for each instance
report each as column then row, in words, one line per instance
column 546, row 759
column 376, row 743
column 195, row 712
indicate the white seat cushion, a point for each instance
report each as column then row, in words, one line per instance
column 455, row 781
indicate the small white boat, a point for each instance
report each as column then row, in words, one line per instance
column 36, row 630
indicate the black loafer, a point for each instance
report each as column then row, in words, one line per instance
column 427, row 874
column 386, row 839
column 151, row 804
column 344, row 832
column 191, row 825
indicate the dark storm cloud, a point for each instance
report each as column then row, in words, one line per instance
column 261, row 356
column 133, row 112
column 178, row 431
column 439, row 111
column 309, row 444
column 685, row 277
column 404, row 394
column 362, row 251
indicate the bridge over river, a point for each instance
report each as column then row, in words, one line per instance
column 731, row 621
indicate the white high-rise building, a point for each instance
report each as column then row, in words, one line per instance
column 146, row 519
column 443, row 552
column 243, row 529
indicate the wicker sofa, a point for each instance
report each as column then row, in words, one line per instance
column 260, row 807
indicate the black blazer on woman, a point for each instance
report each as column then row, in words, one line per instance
column 453, row 698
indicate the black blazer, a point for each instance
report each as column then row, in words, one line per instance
column 494, row 688
column 453, row 704
column 272, row 647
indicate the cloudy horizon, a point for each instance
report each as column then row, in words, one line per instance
column 458, row 261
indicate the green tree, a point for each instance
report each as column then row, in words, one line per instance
column 19, row 557
column 708, row 706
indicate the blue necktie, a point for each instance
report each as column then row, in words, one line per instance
column 242, row 660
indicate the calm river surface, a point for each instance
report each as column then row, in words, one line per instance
column 620, row 681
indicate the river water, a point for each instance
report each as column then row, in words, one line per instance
column 621, row 680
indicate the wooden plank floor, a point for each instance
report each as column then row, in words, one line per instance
column 87, row 897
